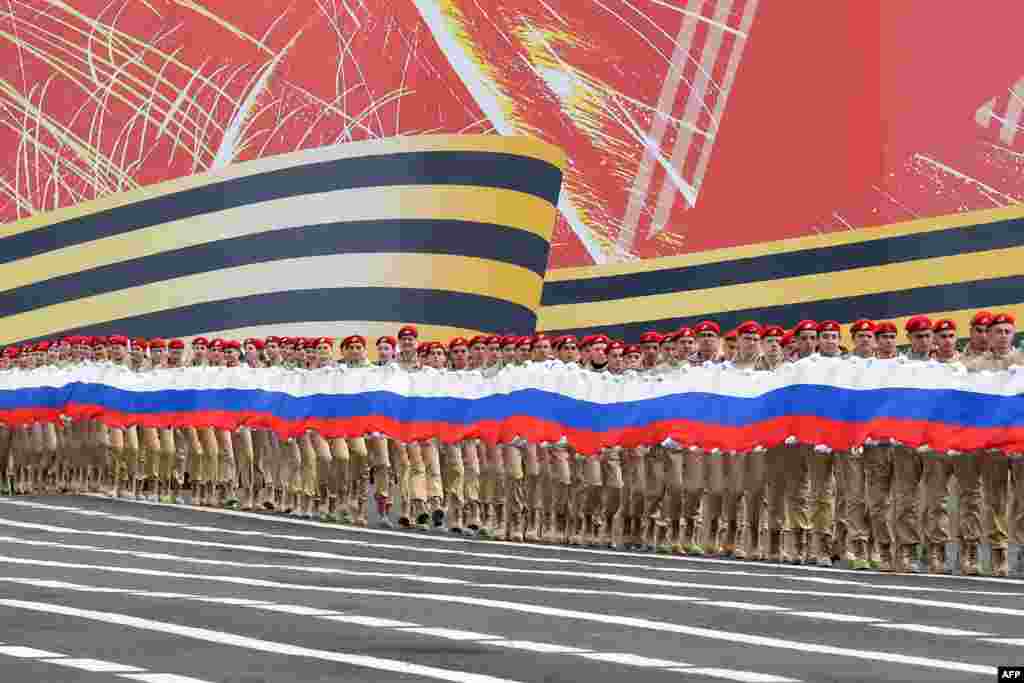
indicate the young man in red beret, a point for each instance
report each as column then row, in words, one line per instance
column 805, row 337
column 708, row 344
column 524, row 350
column 863, row 333
column 730, row 342
column 886, row 336
column 477, row 352
column 996, row 466
column 567, row 349
column 386, row 351
column 744, row 474
column 408, row 336
column 977, row 345
column 541, row 348
column 937, row 472
column 650, row 343
column 907, row 463
column 176, row 353
column 508, row 350
column 272, row 351
column 199, row 346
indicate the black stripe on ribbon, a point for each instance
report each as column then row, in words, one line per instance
column 415, row 236
column 953, row 297
column 479, row 169
column 817, row 261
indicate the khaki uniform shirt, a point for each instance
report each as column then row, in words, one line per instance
column 990, row 361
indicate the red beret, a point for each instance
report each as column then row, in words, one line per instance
column 1003, row 319
column 616, row 345
column 525, row 341
column 684, row 332
column 670, row 337
column 115, row 340
column 12, row 352
column 540, row 336
column 943, row 325
column 43, row 346
column 325, row 340
column 217, row 344
column 773, row 331
column 232, row 344
column 478, row 339
column 787, row 338
column 750, row 327
column 352, row 339
column 600, row 339
column 707, row 326
column 565, row 339
column 408, row 331
column 862, row 325
column 140, row 343
column 829, row 326
column 200, row 341
column 67, row 340
column 101, row 341
column 177, row 344
column 436, row 345
column 919, row 323
column 458, row 341
column 272, row 340
column 510, row 341
column 650, row 338
column 633, row 348
column 981, row 319
column 494, row 339
column 390, row 340
column 805, row 326
column 259, row 344
column 731, row 334
column 886, row 327
column 157, row 343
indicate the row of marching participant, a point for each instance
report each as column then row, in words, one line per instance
column 793, row 503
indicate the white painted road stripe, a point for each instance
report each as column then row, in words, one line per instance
column 542, row 648
column 97, row 665
column 717, row 572
column 28, row 652
column 1016, row 642
column 564, row 550
column 712, row 634
column 255, row 644
column 371, row 621
column 933, row 630
column 161, row 678
column 622, row 578
column 751, row 606
column 632, row 660
column 739, row 676
column 297, row 609
column 450, row 633
column 837, row 616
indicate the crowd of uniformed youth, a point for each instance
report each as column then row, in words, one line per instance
column 873, row 506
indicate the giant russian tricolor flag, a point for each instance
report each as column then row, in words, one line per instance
column 838, row 404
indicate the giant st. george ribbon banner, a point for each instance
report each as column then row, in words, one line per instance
column 838, row 404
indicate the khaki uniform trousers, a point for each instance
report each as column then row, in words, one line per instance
column 907, row 470
column 996, row 471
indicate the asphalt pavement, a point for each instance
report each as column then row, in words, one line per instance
column 97, row 590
